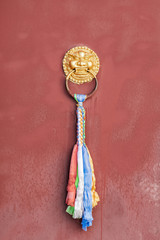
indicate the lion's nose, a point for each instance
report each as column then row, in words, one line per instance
column 80, row 63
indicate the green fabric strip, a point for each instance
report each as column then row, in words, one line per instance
column 70, row 210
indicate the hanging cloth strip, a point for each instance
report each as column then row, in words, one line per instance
column 82, row 195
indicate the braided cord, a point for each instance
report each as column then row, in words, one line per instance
column 80, row 124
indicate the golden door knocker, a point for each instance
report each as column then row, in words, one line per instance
column 81, row 65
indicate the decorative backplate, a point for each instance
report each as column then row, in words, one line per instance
column 81, row 63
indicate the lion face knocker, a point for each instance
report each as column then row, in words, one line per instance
column 82, row 63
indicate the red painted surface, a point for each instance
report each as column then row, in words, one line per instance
column 38, row 122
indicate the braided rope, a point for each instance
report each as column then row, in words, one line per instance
column 80, row 124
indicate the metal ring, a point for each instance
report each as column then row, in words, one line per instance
column 87, row 95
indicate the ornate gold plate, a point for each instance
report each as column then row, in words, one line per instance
column 80, row 64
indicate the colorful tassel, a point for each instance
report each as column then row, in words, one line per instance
column 82, row 195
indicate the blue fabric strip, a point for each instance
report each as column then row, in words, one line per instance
column 87, row 196
column 80, row 97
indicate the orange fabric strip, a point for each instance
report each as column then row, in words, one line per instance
column 95, row 197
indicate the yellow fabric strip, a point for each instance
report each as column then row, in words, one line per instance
column 95, row 197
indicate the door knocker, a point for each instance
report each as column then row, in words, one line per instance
column 81, row 65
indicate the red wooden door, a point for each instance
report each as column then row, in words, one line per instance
column 38, row 122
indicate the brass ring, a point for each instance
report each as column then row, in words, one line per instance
column 87, row 95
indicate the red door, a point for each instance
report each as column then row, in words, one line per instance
column 38, row 122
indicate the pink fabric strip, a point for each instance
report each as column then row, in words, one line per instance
column 71, row 188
